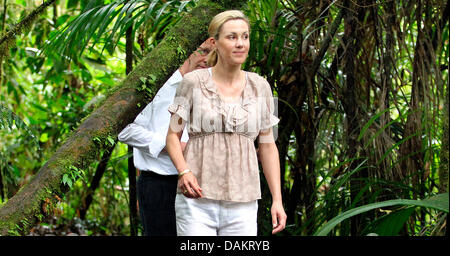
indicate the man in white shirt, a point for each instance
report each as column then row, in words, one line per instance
column 158, row 178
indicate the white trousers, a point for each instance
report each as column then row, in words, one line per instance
column 207, row 217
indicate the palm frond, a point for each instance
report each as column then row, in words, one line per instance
column 106, row 24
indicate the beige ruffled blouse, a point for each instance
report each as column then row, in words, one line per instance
column 221, row 151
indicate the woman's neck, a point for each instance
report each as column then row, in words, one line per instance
column 227, row 73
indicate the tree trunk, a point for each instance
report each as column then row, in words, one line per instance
column 411, row 149
column 131, row 168
column 350, row 102
column 299, row 87
column 95, row 182
column 25, row 23
column 124, row 102
column 2, row 31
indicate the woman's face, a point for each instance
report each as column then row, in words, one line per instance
column 233, row 42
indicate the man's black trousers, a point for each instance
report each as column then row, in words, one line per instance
column 156, row 195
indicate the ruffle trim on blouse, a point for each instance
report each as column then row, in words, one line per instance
column 271, row 123
column 180, row 110
column 234, row 115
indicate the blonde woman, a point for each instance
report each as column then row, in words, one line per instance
column 225, row 109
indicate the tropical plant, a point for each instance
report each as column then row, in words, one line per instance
column 107, row 23
column 361, row 89
column 391, row 223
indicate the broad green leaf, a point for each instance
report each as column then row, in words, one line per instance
column 390, row 224
column 438, row 202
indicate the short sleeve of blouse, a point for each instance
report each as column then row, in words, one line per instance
column 268, row 117
column 182, row 102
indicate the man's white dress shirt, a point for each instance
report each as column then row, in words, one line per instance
column 147, row 134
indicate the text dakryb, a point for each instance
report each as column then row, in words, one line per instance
column 227, row 246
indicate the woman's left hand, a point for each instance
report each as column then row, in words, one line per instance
column 278, row 217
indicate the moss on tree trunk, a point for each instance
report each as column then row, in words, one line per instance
column 36, row 199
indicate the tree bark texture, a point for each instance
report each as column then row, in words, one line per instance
column 35, row 200
column 24, row 24
column 129, row 41
column 95, row 182
column 410, row 150
column 298, row 88
column 351, row 92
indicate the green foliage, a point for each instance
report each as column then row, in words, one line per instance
column 390, row 224
column 9, row 120
column 57, row 73
column 106, row 142
column 438, row 202
column 72, row 175
column 148, row 85
column 106, row 24
column 44, row 97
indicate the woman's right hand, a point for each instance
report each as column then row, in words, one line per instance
column 189, row 185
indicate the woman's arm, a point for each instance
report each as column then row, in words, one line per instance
column 187, row 182
column 270, row 162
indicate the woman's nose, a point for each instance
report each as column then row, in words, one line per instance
column 239, row 43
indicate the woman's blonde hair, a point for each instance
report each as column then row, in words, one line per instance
column 215, row 26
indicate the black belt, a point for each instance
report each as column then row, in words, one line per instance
column 156, row 175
